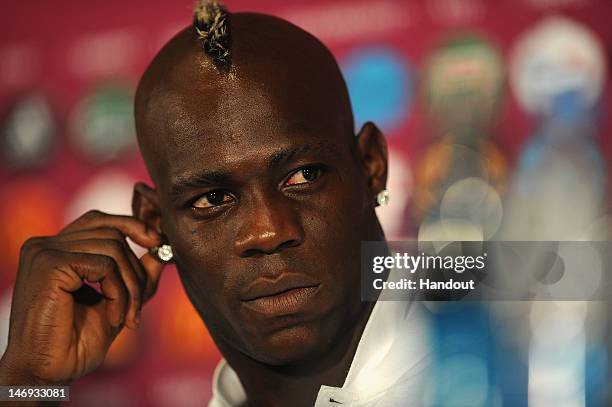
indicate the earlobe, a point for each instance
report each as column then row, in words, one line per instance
column 372, row 148
column 145, row 206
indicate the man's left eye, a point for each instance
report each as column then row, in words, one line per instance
column 305, row 175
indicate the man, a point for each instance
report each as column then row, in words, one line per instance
column 264, row 194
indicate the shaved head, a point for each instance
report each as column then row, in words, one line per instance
column 274, row 65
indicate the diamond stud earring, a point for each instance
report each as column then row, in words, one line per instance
column 162, row 253
column 382, row 198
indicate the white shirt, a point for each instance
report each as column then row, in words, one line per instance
column 389, row 367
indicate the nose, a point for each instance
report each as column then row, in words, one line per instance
column 269, row 226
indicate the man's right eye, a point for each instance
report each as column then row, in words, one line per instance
column 211, row 199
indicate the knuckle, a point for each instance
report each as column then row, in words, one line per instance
column 29, row 247
column 33, row 242
column 92, row 214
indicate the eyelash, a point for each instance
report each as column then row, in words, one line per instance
column 318, row 170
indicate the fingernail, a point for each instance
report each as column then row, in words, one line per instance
column 137, row 319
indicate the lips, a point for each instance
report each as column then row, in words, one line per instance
column 287, row 294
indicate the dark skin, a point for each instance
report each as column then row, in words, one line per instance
column 258, row 177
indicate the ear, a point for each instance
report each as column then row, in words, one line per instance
column 372, row 149
column 145, row 206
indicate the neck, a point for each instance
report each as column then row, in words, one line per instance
column 298, row 384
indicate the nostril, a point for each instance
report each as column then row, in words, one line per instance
column 252, row 253
column 261, row 251
column 287, row 244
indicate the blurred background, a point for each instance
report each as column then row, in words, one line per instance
column 497, row 114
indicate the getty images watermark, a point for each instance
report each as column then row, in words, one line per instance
column 478, row 271
column 411, row 264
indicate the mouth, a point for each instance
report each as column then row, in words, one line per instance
column 286, row 295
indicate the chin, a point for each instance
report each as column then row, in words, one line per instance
column 292, row 345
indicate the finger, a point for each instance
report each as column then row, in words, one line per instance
column 114, row 250
column 69, row 269
column 130, row 226
column 148, row 269
column 153, row 268
column 108, row 233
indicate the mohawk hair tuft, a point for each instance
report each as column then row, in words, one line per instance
column 211, row 23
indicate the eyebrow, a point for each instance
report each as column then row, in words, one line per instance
column 285, row 155
column 184, row 183
column 276, row 160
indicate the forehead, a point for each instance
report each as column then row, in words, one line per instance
column 239, row 120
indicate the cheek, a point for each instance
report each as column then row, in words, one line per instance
column 197, row 252
column 209, row 268
column 198, row 244
column 344, row 211
column 335, row 227
column 206, row 284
